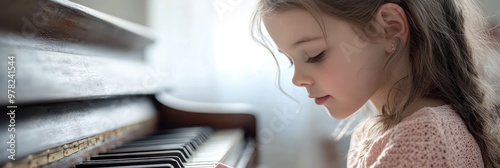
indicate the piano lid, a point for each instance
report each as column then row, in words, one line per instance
column 63, row 20
column 64, row 51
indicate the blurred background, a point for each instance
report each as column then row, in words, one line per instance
column 204, row 49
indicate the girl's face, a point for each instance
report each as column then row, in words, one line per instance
column 341, row 70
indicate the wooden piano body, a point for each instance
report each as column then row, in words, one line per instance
column 82, row 87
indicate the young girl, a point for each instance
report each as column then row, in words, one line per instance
column 423, row 64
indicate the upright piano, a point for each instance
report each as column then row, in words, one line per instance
column 77, row 91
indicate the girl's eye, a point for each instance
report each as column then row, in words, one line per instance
column 316, row 58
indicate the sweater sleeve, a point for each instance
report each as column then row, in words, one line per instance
column 416, row 144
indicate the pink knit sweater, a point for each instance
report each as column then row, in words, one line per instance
column 431, row 137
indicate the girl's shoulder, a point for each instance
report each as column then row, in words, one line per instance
column 431, row 136
column 439, row 124
column 440, row 114
column 430, row 117
column 437, row 134
column 440, row 118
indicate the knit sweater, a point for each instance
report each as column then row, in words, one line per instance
column 430, row 137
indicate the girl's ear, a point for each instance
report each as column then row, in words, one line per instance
column 392, row 19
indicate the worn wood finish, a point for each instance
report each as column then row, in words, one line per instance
column 65, row 52
column 76, row 158
column 41, row 127
column 48, row 76
column 62, row 20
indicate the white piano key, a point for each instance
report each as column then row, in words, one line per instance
column 216, row 149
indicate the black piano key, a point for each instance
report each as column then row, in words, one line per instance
column 170, row 147
column 191, row 142
column 141, row 158
column 207, row 131
column 199, row 132
column 177, row 159
column 179, row 154
column 189, row 145
column 145, row 166
column 131, row 162
column 196, row 141
column 173, row 144
column 197, row 137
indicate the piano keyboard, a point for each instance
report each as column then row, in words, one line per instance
column 195, row 147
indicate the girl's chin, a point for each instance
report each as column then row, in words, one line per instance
column 339, row 115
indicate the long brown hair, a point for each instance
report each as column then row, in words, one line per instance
column 450, row 56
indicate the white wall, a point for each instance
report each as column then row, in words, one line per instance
column 492, row 10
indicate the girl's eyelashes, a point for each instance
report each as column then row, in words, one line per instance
column 316, row 58
column 291, row 62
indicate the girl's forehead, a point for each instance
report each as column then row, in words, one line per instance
column 289, row 27
column 289, row 16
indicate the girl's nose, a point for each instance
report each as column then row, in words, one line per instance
column 301, row 80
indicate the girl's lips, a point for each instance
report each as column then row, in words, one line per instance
column 321, row 100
